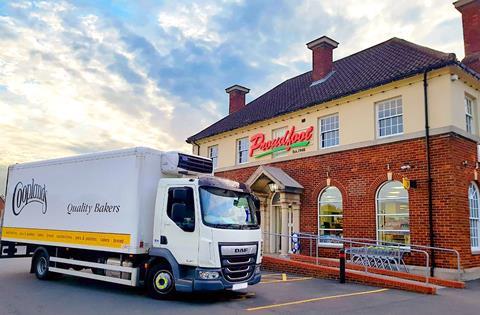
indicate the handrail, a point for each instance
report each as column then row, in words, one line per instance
column 343, row 241
column 457, row 254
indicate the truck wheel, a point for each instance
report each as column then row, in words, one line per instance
column 160, row 282
column 40, row 266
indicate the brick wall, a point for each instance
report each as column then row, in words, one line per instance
column 358, row 173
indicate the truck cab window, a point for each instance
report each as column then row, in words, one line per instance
column 181, row 208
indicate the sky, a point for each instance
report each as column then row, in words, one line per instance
column 86, row 76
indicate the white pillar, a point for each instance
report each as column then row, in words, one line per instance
column 285, row 240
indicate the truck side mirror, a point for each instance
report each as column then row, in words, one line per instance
column 256, row 203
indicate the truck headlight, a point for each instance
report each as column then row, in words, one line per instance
column 208, row 275
column 257, row 269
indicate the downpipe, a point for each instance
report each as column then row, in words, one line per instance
column 429, row 172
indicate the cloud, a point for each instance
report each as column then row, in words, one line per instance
column 86, row 76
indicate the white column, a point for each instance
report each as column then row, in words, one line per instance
column 285, row 240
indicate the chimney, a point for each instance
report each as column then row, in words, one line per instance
column 322, row 56
column 470, row 10
column 237, row 97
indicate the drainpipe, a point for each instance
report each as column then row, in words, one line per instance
column 429, row 171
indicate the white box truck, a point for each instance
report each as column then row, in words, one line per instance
column 138, row 217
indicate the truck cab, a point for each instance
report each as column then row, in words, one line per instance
column 211, row 227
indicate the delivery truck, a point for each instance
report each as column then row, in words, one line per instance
column 137, row 217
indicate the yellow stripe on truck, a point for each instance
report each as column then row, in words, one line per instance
column 68, row 237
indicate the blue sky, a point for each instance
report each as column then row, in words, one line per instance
column 85, row 76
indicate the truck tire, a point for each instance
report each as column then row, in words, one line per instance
column 40, row 266
column 160, row 282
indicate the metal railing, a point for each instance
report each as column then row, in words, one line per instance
column 368, row 252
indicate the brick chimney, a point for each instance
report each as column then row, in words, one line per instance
column 322, row 56
column 237, row 97
column 470, row 10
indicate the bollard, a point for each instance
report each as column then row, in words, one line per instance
column 342, row 265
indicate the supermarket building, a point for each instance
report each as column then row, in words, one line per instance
column 382, row 144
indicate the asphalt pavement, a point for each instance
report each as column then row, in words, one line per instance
column 22, row 294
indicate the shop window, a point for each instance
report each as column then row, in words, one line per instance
column 213, row 154
column 474, row 216
column 469, row 114
column 393, row 223
column 278, row 133
column 389, row 117
column 329, row 131
column 242, row 150
column 330, row 215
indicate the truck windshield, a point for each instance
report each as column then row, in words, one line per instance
column 227, row 209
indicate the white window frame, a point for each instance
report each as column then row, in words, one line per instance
column 328, row 244
column 211, row 150
column 474, row 217
column 321, row 132
column 469, row 115
column 378, row 119
column 377, row 216
column 274, row 136
column 239, row 150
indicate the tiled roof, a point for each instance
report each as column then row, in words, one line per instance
column 383, row 63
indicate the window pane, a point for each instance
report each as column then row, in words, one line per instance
column 386, row 222
column 330, row 213
column 473, row 201
column 390, row 117
column 393, row 213
column 395, row 237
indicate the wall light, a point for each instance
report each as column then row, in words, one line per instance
column 273, row 187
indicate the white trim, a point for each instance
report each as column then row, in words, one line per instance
column 402, row 214
column 329, row 215
column 330, row 245
column 377, row 118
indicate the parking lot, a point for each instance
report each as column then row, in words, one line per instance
column 21, row 293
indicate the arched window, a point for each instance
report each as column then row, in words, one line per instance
column 474, row 216
column 393, row 213
column 330, row 214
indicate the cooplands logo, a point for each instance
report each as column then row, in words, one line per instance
column 29, row 193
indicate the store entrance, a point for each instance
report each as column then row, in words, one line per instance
column 279, row 196
column 276, row 227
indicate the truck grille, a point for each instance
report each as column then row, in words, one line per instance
column 238, row 261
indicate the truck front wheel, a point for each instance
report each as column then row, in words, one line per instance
column 40, row 266
column 160, row 282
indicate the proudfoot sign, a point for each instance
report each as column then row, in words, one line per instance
column 291, row 139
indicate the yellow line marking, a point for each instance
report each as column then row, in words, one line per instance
column 284, row 276
column 289, row 280
column 315, row 300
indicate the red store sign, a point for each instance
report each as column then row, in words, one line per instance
column 291, row 139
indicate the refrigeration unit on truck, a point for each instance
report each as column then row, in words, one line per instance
column 138, row 217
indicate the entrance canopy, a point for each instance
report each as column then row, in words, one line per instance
column 264, row 175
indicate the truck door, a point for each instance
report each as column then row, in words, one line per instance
column 180, row 225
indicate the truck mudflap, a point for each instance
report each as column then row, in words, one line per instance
column 15, row 250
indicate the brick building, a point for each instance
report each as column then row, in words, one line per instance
column 381, row 144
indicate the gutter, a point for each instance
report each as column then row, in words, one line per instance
column 429, row 171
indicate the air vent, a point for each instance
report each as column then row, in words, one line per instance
column 195, row 164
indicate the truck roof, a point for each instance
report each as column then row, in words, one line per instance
column 89, row 156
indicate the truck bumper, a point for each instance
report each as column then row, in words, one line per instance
column 215, row 284
column 220, row 284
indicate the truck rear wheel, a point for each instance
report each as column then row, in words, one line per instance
column 40, row 266
column 160, row 282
